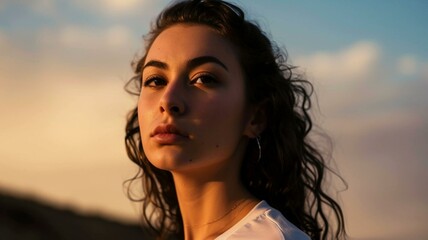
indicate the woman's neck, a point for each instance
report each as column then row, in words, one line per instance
column 211, row 203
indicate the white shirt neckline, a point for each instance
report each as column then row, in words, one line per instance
column 257, row 210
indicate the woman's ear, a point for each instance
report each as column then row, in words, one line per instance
column 257, row 120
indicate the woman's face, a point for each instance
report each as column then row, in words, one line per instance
column 192, row 109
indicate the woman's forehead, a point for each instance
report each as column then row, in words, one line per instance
column 190, row 41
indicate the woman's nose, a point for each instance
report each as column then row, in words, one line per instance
column 172, row 101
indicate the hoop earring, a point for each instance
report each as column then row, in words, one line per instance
column 260, row 149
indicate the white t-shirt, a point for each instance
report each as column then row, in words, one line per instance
column 263, row 222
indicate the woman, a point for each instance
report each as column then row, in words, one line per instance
column 221, row 132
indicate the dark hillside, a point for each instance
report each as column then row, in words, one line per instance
column 26, row 219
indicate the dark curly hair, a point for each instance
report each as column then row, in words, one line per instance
column 291, row 172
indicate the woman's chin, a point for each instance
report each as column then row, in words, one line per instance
column 183, row 164
column 171, row 162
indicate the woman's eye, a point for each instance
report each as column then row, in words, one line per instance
column 205, row 79
column 154, row 82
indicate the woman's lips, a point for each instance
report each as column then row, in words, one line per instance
column 168, row 134
column 168, row 138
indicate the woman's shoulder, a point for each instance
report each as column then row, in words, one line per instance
column 264, row 222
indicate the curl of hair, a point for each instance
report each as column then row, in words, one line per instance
column 291, row 172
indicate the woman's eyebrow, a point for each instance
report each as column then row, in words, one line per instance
column 193, row 63
column 155, row 63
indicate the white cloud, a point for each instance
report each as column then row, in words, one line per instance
column 120, row 5
column 79, row 37
column 86, row 53
column 360, row 62
column 354, row 63
column 409, row 66
column 113, row 7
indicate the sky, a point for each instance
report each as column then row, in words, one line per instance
column 63, row 65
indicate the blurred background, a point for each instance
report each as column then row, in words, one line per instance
column 63, row 65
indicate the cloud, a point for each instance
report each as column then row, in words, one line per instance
column 120, row 6
column 410, row 67
column 354, row 63
column 362, row 79
column 114, row 7
column 75, row 51
column 82, row 37
column 360, row 62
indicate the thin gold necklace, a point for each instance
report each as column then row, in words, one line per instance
column 235, row 206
